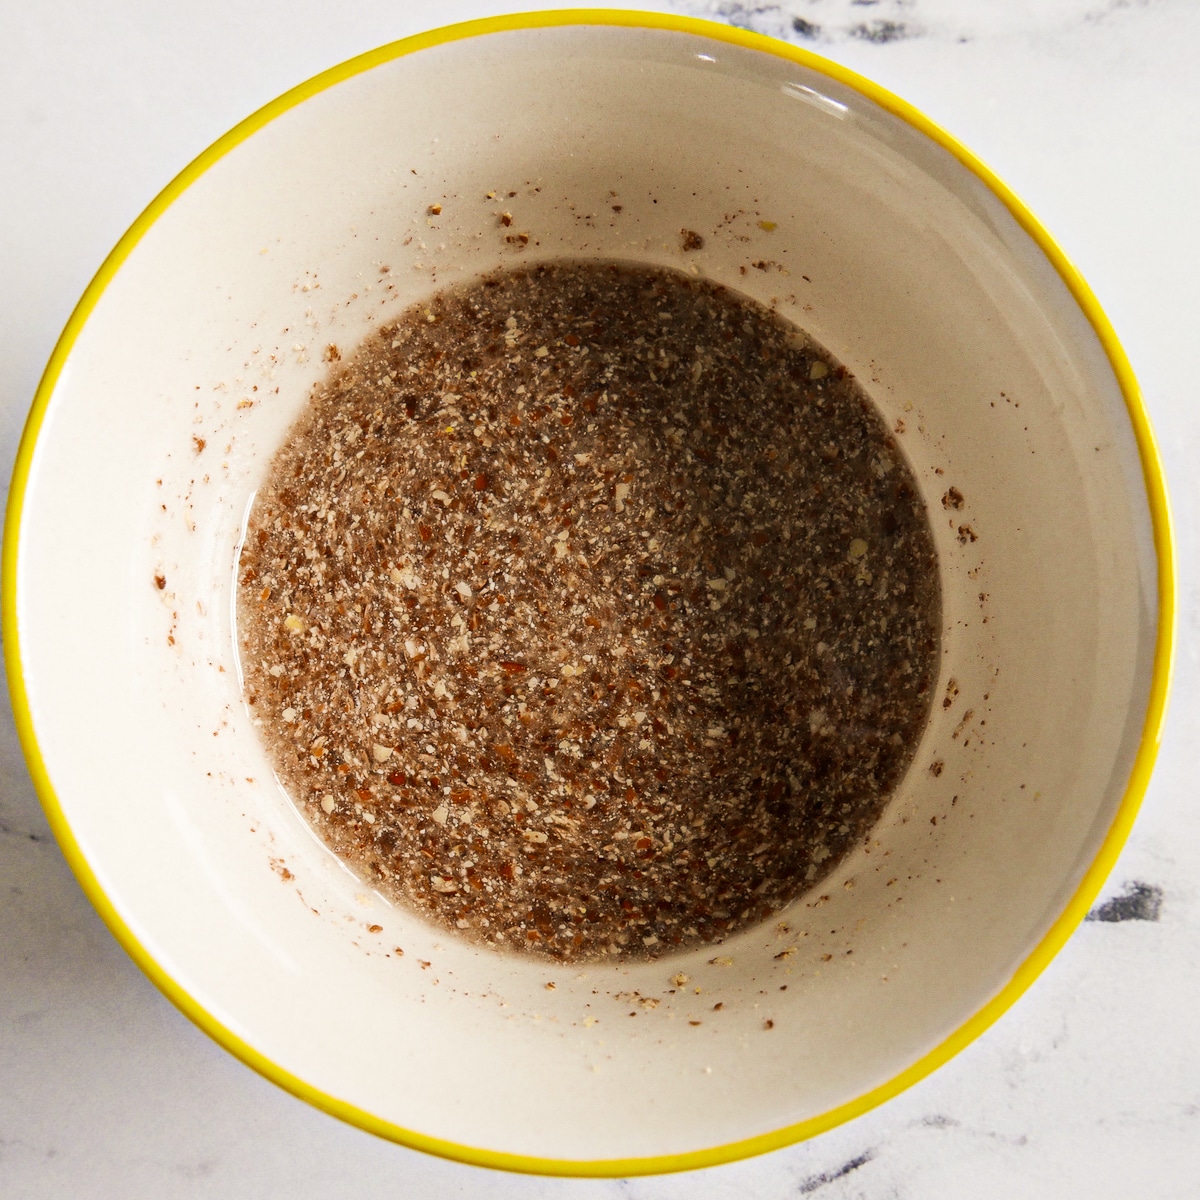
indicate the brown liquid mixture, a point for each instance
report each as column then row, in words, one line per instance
column 590, row 610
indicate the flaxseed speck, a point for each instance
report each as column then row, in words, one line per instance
column 590, row 610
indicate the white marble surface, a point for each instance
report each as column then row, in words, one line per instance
column 1090, row 1087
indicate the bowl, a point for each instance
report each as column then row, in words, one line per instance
column 815, row 192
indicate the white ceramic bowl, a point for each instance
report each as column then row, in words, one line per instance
column 195, row 348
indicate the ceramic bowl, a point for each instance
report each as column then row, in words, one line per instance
column 814, row 191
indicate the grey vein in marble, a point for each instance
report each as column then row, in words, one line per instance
column 814, row 1183
column 880, row 22
column 1138, row 902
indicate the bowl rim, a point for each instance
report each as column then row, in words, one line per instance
column 1034, row 963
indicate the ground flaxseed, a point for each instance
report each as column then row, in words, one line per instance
column 591, row 610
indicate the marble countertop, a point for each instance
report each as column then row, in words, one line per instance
column 1090, row 1086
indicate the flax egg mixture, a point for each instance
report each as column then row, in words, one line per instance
column 589, row 610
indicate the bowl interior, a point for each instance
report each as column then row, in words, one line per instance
column 601, row 141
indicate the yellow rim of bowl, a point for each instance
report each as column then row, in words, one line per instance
column 1025, row 974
